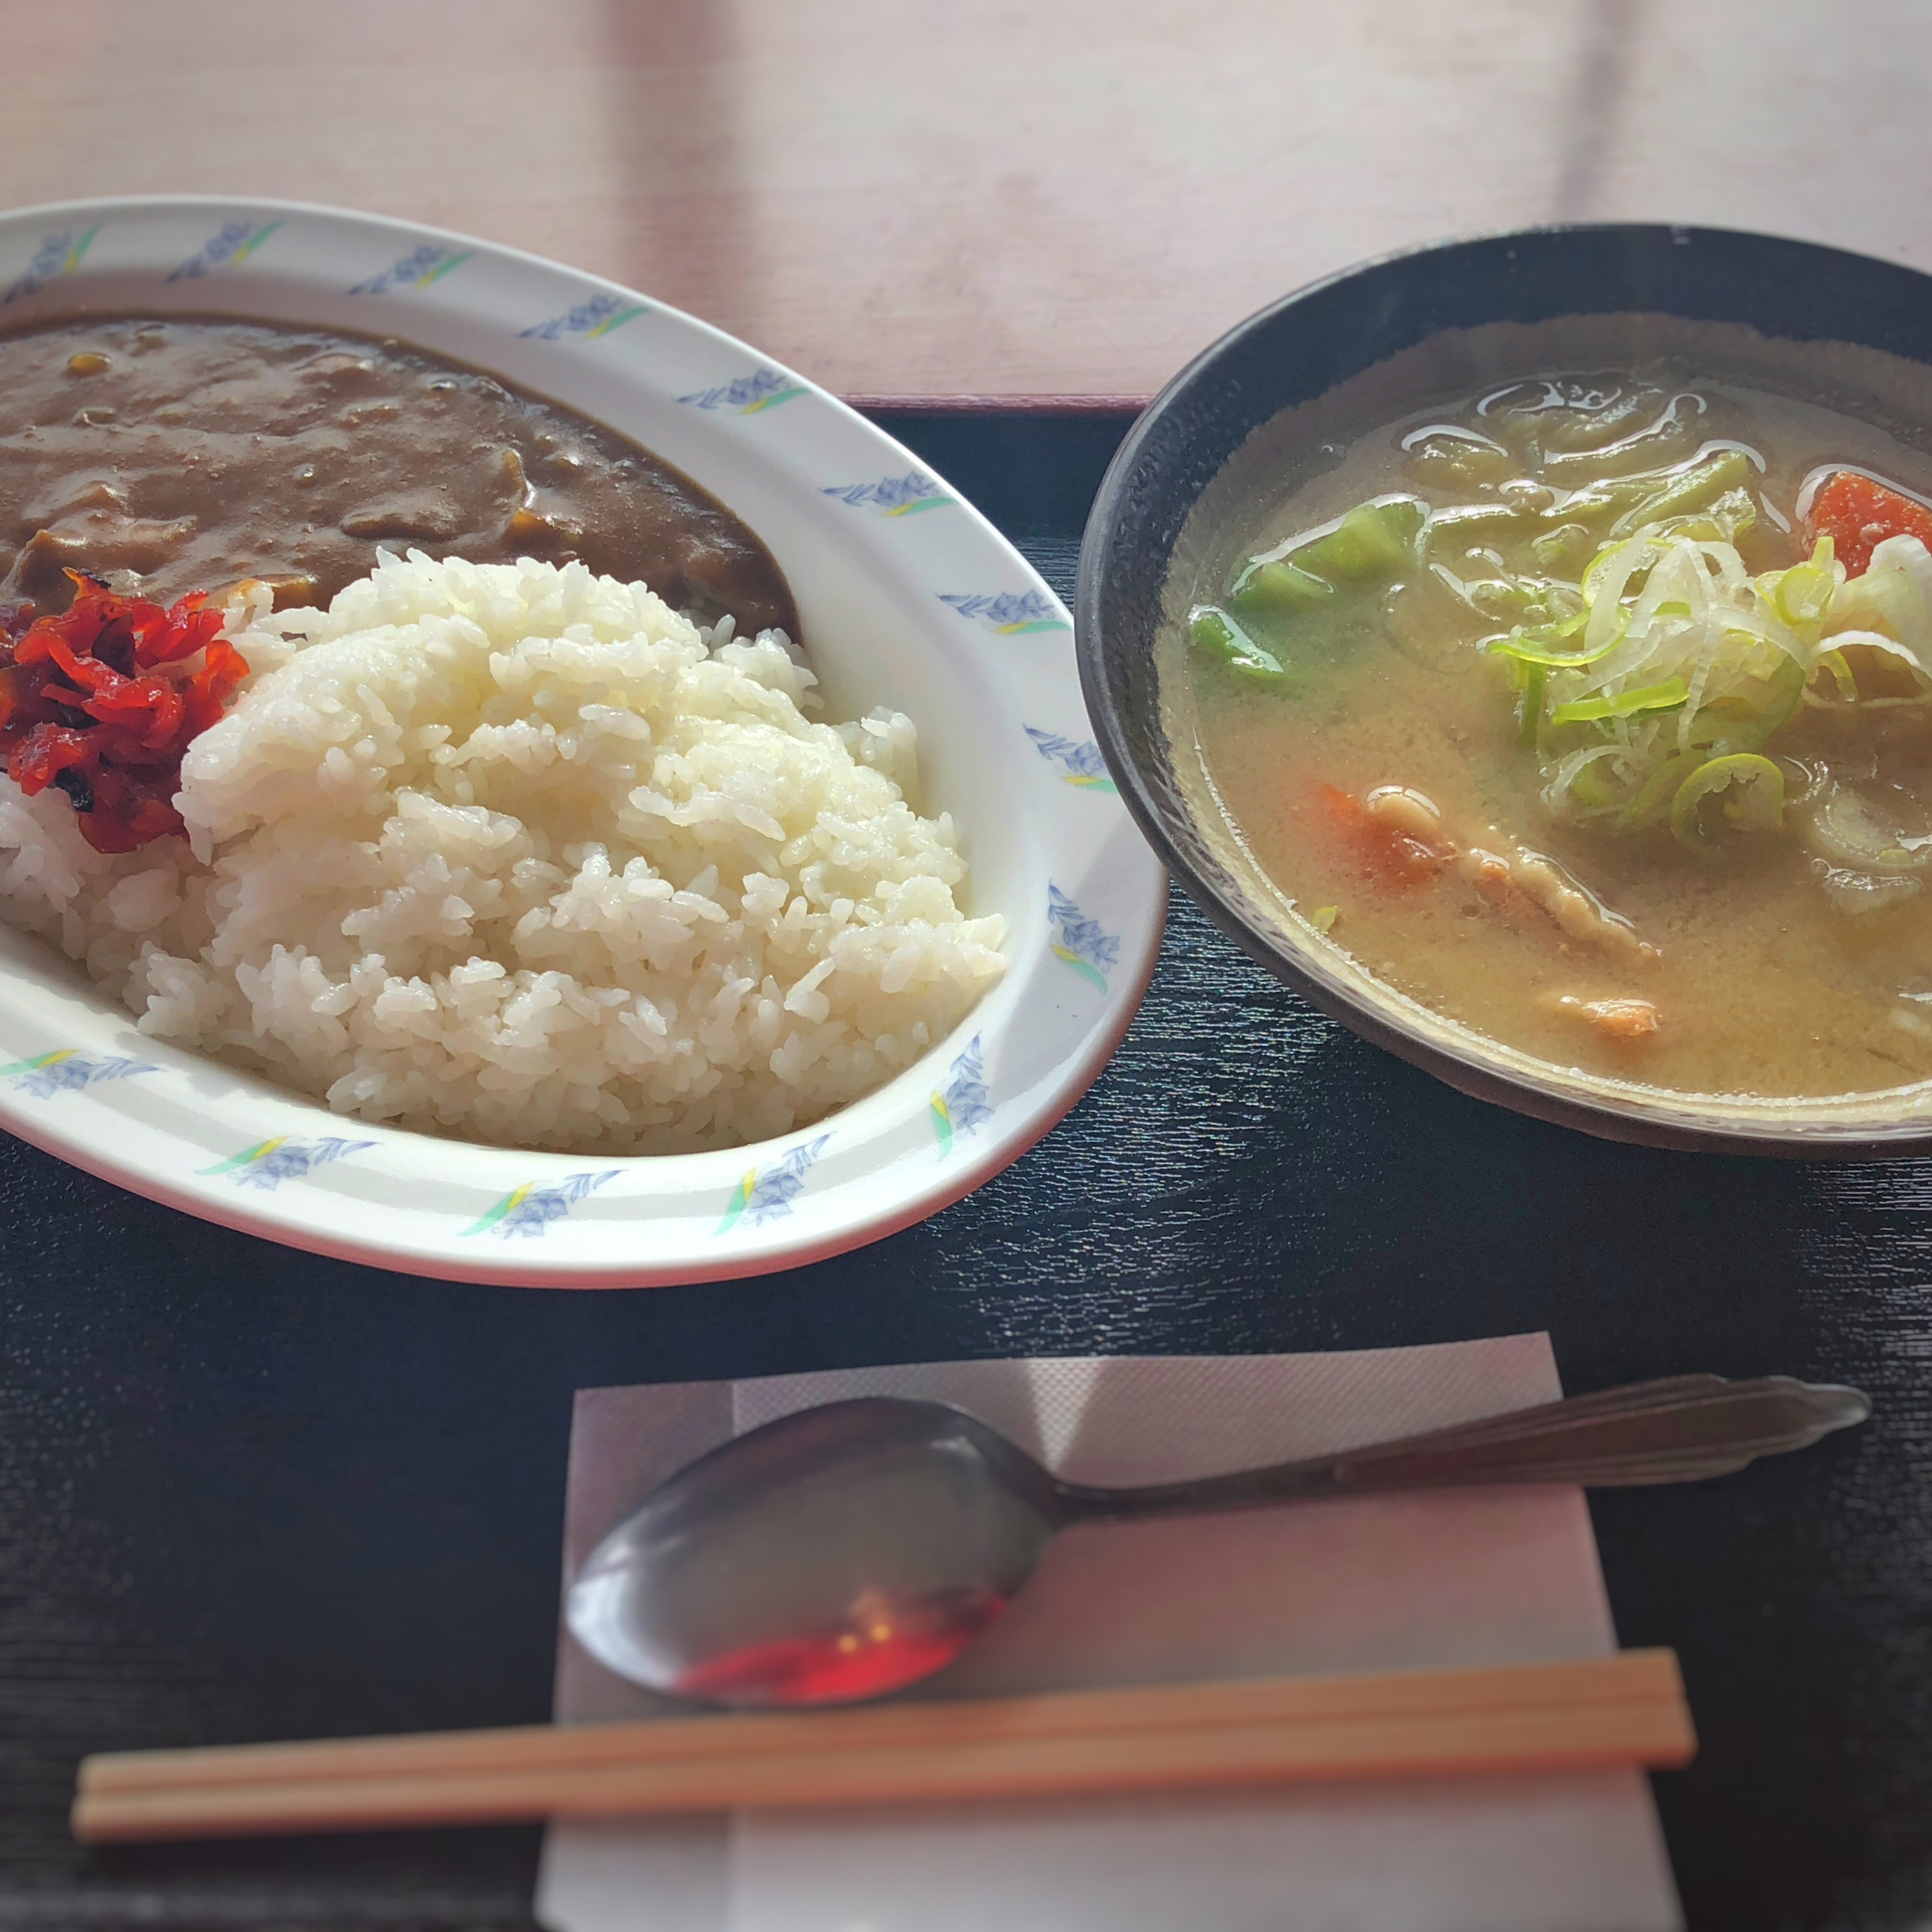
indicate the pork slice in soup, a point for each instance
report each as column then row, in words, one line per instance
column 1596, row 714
column 195, row 453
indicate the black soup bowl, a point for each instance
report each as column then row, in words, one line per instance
column 1450, row 315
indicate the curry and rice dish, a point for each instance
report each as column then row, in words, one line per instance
column 442, row 754
column 1593, row 712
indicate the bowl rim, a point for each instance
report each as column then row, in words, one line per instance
column 1471, row 1062
column 887, row 1193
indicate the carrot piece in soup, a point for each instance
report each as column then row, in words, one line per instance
column 1858, row 514
column 1381, row 849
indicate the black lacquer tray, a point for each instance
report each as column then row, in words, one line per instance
column 250, row 1493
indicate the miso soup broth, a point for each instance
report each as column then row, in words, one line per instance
column 1590, row 706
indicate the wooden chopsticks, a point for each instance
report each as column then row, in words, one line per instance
column 1624, row 1709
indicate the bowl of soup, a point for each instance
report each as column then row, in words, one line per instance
column 1523, row 646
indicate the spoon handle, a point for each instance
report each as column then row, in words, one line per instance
column 1677, row 1430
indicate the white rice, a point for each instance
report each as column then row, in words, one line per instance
column 516, row 853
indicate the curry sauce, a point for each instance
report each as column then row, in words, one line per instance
column 197, row 452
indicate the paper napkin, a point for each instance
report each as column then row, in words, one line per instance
column 1366, row 1583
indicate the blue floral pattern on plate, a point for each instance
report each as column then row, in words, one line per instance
column 1012, row 613
column 529, row 1210
column 58, row 254
column 416, row 270
column 904, row 496
column 597, row 316
column 233, row 241
column 268, row 1163
column 1078, row 761
column 747, row 395
column 67, row 1070
column 1084, row 943
column 963, row 1102
column 766, row 1193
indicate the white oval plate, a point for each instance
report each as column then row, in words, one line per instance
column 906, row 596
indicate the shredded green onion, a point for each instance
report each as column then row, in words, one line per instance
column 1668, row 696
column 1839, row 667
column 1658, row 791
column 1681, row 662
column 1529, row 712
column 1536, row 646
column 1750, row 790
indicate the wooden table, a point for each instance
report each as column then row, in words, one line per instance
column 955, row 199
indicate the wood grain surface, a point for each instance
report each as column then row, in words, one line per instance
column 947, row 198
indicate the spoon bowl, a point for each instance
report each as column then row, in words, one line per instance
column 833, row 1555
column 848, row 1551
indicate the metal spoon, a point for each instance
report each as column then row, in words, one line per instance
column 848, row 1551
